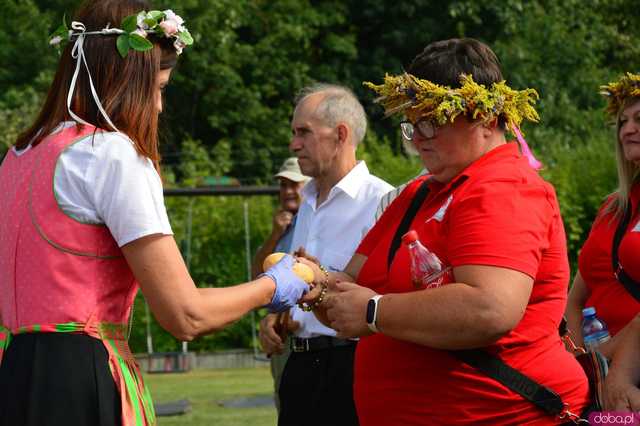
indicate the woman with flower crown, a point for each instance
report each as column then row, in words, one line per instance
column 609, row 262
column 609, row 267
column 85, row 226
column 449, row 355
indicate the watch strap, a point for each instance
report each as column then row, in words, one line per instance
column 371, row 322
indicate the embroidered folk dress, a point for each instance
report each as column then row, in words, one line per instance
column 62, row 277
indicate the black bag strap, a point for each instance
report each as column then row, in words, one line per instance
column 632, row 286
column 539, row 395
column 403, row 228
column 491, row 365
column 416, row 203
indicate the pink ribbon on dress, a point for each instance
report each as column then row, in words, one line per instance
column 526, row 151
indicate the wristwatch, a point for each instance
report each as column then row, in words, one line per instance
column 372, row 312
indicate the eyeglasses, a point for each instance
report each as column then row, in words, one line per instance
column 425, row 128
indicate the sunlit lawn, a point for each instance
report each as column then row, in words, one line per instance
column 206, row 388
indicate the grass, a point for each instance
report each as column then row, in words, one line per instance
column 206, row 388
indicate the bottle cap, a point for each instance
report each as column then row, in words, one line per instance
column 410, row 237
column 589, row 311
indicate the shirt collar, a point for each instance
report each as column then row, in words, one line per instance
column 350, row 184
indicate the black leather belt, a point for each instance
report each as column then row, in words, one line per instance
column 319, row 343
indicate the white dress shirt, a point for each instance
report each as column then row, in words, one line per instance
column 332, row 231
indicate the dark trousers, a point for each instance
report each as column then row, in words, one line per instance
column 317, row 389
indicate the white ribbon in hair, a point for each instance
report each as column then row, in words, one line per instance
column 79, row 31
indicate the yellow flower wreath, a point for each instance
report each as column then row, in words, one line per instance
column 617, row 92
column 417, row 98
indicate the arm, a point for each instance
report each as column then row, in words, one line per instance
column 281, row 220
column 578, row 296
column 179, row 306
column 621, row 384
column 485, row 303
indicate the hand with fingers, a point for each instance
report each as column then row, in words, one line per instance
column 290, row 288
column 621, row 394
column 274, row 329
column 320, row 285
column 346, row 308
column 281, row 220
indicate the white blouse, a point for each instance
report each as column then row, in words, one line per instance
column 101, row 179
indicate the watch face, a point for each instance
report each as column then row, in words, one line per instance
column 371, row 310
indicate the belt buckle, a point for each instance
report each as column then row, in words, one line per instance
column 299, row 345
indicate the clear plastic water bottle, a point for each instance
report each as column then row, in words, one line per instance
column 594, row 330
column 427, row 271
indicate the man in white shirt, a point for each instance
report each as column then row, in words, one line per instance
column 337, row 210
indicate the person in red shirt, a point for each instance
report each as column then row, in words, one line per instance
column 491, row 218
column 596, row 283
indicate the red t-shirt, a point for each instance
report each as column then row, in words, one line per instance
column 503, row 214
column 614, row 305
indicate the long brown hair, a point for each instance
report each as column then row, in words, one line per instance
column 125, row 86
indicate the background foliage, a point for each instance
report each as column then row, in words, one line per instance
column 230, row 101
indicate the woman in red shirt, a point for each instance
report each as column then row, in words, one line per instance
column 496, row 223
column 596, row 283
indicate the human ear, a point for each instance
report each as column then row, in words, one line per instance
column 343, row 133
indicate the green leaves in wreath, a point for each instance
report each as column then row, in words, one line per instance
column 185, row 37
column 153, row 18
column 129, row 24
column 60, row 34
column 122, row 43
column 133, row 41
column 132, row 38
column 139, row 43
